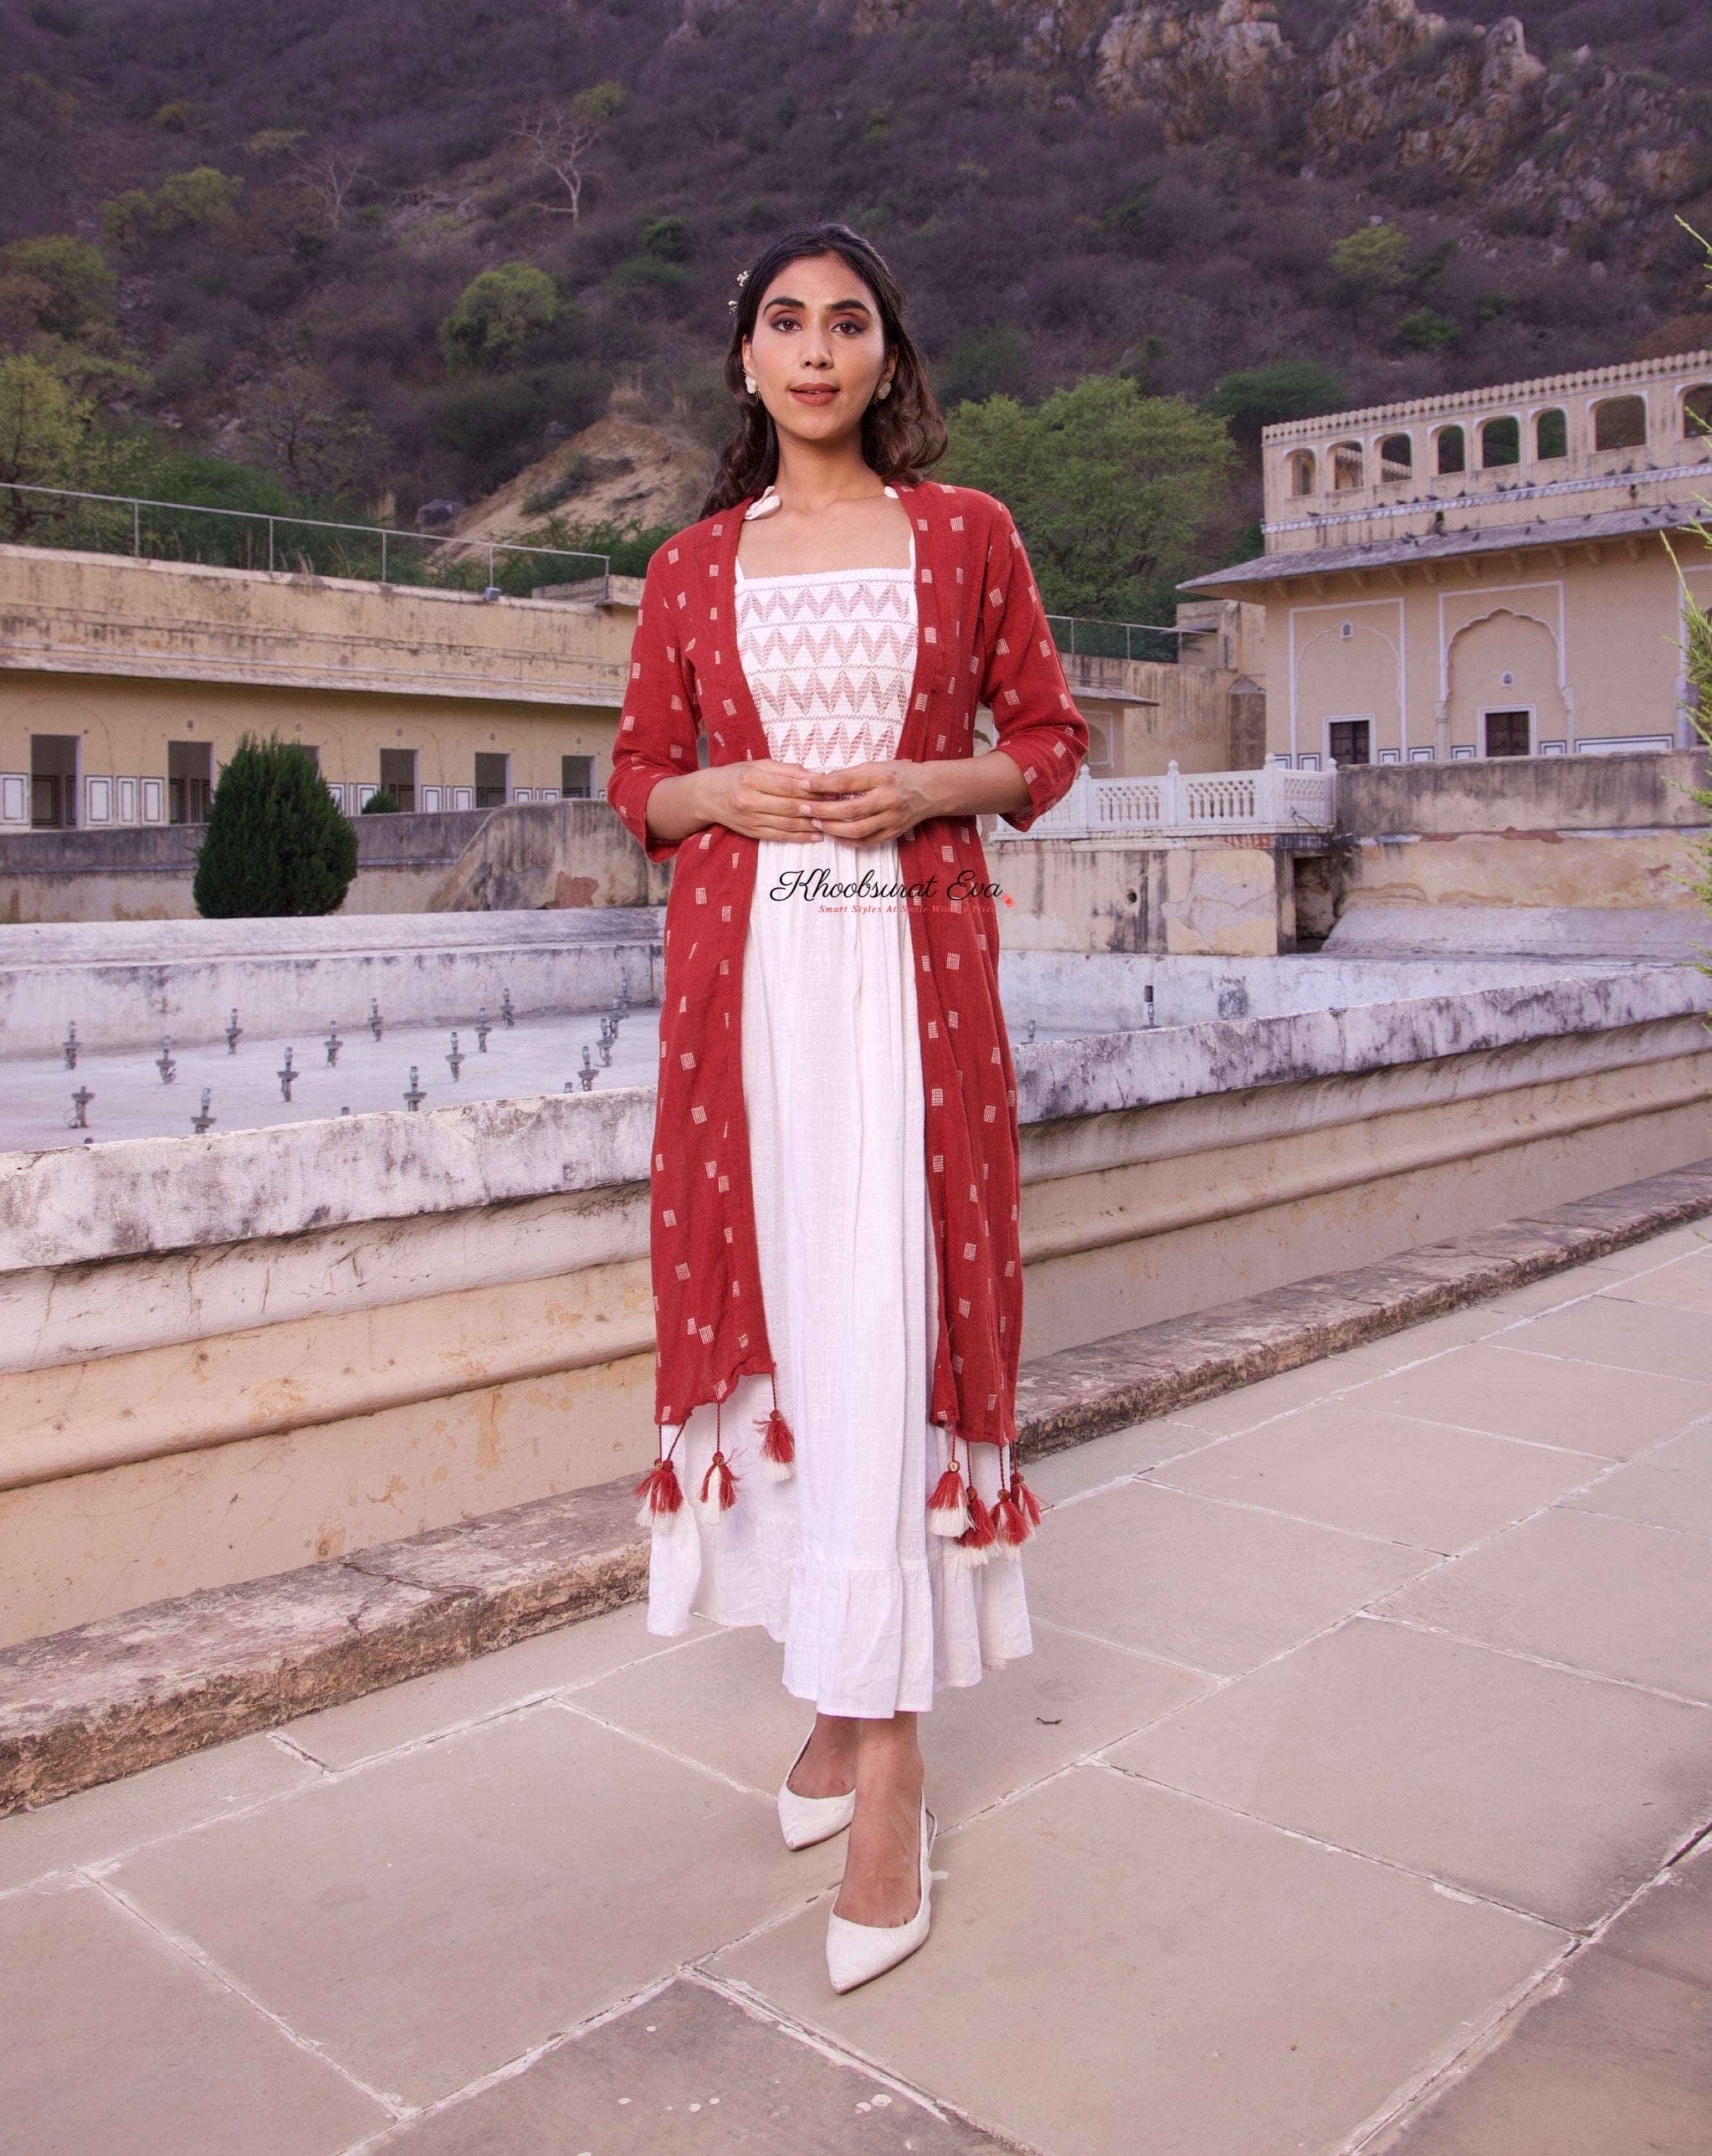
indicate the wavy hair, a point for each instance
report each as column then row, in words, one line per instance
column 903, row 437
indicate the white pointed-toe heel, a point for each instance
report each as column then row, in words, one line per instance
column 856, row 1952
column 806, row 1820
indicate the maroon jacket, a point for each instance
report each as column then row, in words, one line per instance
column 982, row 638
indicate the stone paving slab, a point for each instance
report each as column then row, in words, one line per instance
column 1362, row 1875
column 1549, row 1792
column 683, row 2072
column 1116, row 1968
column 1494, row 1386
column 424, row 1920
column 723, row 1704
column 1217, row 1587
column 116, row 2043
column 1601, row 1594
column 1671, row 1489
column 1344, row 1464
column 82, row 1707
column 1616, row 2059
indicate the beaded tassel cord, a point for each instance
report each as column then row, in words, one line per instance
column 778, row 1445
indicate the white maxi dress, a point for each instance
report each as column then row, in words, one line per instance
column 836, row 1560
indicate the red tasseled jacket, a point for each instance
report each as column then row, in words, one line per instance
column 982, row 638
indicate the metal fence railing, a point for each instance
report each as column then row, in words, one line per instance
column 1084, row 636
column 259, row 539
column 134, row 524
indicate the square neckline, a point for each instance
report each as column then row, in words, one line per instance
column 806, row 576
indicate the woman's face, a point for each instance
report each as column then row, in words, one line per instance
column 818, row 351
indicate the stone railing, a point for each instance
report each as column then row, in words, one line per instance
column 1197, row 804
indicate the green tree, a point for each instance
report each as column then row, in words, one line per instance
column 1260, row 397
column 1424, row 329
column 497, row 311
column 202, row 198
column 296, row 419
column 81, row 288
column 276, row 842
column 1112, row 490
column 44, row 433
column 991, row 360
column 1370, row 262
column 199, row 199
column 671, row 238
column 383, row 802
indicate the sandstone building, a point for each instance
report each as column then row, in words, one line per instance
column 1484, row 574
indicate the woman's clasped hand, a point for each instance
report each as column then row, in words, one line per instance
column 864, row 804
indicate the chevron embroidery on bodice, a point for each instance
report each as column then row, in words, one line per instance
column 830, row 657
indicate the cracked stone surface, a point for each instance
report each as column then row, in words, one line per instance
column 125, row 1693
column 1356, row 1801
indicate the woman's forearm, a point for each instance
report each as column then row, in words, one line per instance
column 676, row 807
column 984, row 785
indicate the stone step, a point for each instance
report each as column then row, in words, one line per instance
column 109, row 1698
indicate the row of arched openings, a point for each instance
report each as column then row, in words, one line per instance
column 1619, row 423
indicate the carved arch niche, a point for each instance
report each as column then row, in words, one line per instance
column 1506, row 657
column 1348, row 667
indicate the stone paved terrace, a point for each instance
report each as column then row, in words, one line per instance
column 1356, row 1797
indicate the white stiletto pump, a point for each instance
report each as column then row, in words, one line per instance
column 805, row 1820
column 856, row 1952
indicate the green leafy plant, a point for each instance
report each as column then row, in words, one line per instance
column 1424, row 329
column 383, row 802
column 276, row 842
column 497, row 311
column 1255, row 397
column 1370, row 262
column 1114, row 492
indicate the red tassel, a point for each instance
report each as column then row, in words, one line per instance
column 1023, row 1497
column 660, row 1493
column 947, row 1508
column 725, row 1494
column 778, row 1445
column 1009, row 1527
column 975, row 1545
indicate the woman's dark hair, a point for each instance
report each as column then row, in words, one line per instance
column 902, row 436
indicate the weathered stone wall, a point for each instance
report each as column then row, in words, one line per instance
column 1230, row 897
column 226, row 1357
column 557, row 853
column 1488, row 795
column 124, row 983
column 1492, row 845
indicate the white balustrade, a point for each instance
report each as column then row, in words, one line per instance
column 1196, row 804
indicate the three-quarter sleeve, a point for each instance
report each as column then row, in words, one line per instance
column 656, row 732
column 1022, row 680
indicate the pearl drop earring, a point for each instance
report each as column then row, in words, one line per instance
column 749, row 384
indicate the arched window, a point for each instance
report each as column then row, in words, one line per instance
column 1300, row 466
column 1620, row 423
column 1347, row 468
column 1552, row 436
column 1697, row 413
column 1452, row 450
column 1397, row 458
column 1500, row 443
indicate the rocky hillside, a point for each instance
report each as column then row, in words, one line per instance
column 1064, row 186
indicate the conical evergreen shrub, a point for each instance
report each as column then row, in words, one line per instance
column 276, row 841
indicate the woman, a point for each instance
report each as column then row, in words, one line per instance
column 835, row 1243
